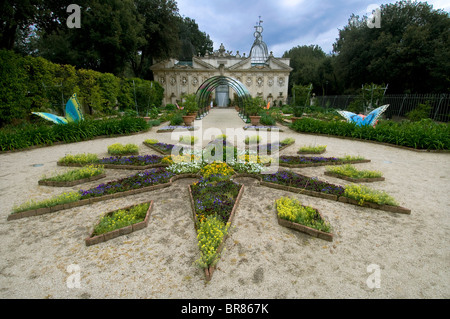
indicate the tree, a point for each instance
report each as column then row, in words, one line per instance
column 108, row 37
column 193, row 41
column 310, row 65
column 160, row 33
column 409, row 51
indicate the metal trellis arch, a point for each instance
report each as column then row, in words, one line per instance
column 205, row 90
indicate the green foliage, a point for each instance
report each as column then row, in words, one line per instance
column 34, row 84
column 121, row 218
column 351, row 171
column 267, row 119
column 253, row 105
column 411, row 44
column 120, row 149
column 190, row 103
column 292, row 210
column 363, row 194
column 64, row 198
column 83, row 159
column 77, row 174
column 43, row 134
column 424, row 134
column 302, row 98
column 176, row 119
column 422, row 111
column 317, row 149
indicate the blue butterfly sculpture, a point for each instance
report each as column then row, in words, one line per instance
column 364, row 120
column 73, row 113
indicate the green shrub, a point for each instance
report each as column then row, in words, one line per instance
column 422, row 111
column 176, row 119
column 29, row 135
column 424, row 134
column 266, row 119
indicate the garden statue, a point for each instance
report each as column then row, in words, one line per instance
column 364, row 120
column 73, row 113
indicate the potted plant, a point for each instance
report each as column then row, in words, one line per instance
column 253, row 107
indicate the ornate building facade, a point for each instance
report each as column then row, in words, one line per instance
column 261, row 73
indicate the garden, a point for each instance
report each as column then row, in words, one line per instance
column 214, row 195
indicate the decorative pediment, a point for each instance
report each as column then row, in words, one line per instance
column 196, row 62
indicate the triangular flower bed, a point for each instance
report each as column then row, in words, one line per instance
column 311, row 161
column 285, row 218
column 214, row 201
column 355, row 180
column 44, row 182
column 128, row 226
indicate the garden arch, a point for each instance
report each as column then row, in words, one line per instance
column 205, row 90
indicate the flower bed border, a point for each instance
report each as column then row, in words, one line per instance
column 262, row 128
column 93, row 240
column 83, row 202
column 310, row 152
column 210, row 270
column 247, row 147
column 387, row 208
column 71, row 183
column 116, row 166
column 157, row 149
column 305, row 229
column 190, row 128
column 355, row 180
column 322, row 164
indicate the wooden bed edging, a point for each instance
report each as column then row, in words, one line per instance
column 210, row 270
column 92, row 240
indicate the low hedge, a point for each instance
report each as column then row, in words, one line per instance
column 42, row 134
column 422, row 135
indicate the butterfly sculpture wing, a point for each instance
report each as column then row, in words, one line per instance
column 51, row 117
column 73, row 109
column 373, row 116
column 351, row 117
column 73, row 113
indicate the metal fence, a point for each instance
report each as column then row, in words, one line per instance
column 399, row 104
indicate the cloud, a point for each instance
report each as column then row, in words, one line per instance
column 287, row 23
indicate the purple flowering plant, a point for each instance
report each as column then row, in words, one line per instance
column 142, row 179
column 292, row 179
column 140, row 160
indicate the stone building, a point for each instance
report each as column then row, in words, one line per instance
column 260, row 72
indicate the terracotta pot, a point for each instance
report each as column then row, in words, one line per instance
column 255, row 119
column 188, row 120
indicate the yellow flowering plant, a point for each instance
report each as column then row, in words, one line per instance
column 121, row 218
column 216, row 168
column 291, row 209
column 210, row 233
column 362, row 193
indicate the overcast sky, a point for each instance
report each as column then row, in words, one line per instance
column 286, row 23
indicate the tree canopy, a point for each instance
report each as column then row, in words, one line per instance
column 123, row 37
column 410, row 49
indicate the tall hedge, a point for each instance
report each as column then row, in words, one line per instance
column 35, row 84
